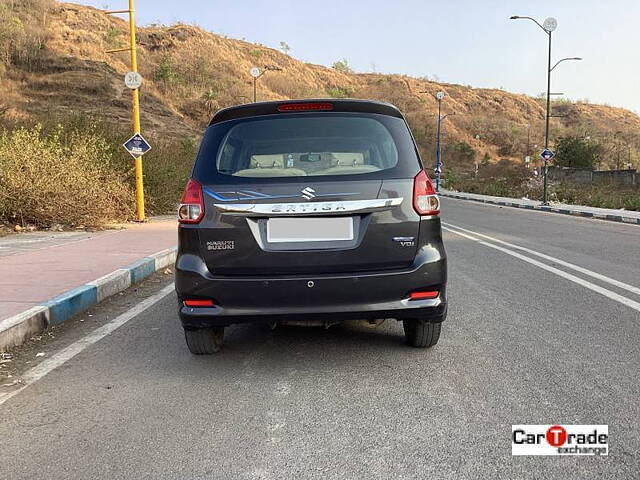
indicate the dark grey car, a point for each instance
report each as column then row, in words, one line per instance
column 312, row 211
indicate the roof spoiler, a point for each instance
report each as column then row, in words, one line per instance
column 279, row 107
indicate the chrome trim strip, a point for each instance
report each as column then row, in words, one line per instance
column 308, row 208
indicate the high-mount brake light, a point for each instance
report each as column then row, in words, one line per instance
column 302, row 107
column 191, row 208
column 424, row 294
column 425, row 199
column 198, row 303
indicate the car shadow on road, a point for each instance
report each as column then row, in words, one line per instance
column 341, row 345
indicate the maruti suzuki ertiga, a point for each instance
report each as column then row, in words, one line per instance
column 311, row 211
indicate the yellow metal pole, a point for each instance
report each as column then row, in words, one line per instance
column 135, row 114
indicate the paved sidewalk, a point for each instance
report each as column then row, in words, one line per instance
column 35, row 267
column 626, row 216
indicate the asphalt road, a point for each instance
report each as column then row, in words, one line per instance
column 523, row 344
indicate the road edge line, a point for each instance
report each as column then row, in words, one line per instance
column 556, row 271
column 36, row 373
column 577, row 268
column 546, row 208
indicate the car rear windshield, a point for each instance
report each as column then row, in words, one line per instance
column 304, row 145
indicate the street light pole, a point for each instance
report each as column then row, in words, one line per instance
column 546, row 122
column 438, row 169
column 437, row 172
column 548, row 26
column 256, row 74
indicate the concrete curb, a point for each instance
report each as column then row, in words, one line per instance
column 16, row 330
column 545, row 208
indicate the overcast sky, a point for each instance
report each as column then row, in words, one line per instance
column 459, row 41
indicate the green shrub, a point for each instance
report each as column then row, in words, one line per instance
column 55, row 178
column 339, row 92
column 602, row 196
column 342, row 66
column 166, row 167
column 577, row 152
column 166, row 170
column 113, row 36
column 166, row 71
column 524, row 185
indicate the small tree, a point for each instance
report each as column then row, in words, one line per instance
column 576, row 152
column 11, row 34
column 210, row 100
column 342, row 66
column 284, row 46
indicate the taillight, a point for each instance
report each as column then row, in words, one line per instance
column 302, row 107
column 425, row 200
column 191, row 208
column 424, row 294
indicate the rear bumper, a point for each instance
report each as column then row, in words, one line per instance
column 431, row 310
column 311, row 297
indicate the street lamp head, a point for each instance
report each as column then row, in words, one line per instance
column 514, row 17
column 550, row 24
column 576, row 58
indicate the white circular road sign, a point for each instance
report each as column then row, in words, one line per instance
column 133, row 80
column 255, row 72
column 440, row 95
column 550, row 24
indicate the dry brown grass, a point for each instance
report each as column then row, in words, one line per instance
column 189, row 72
column 45, row 180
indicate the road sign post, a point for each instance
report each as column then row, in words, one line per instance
column 546, row 155
column 256, row 74
column 136, row 146
column 133, row 80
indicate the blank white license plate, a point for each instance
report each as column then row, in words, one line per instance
column 309, row 229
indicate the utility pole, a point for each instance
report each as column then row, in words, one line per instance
column 548, row 26
column 135, row 106
column 438, row 169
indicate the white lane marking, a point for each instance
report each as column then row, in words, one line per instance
column 66, row 354
column 591, row 286
column 577, row 268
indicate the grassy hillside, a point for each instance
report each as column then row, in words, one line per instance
column 189, row 73
column 53, row 68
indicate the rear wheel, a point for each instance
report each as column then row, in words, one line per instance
column 204, row 341
column 421, row 333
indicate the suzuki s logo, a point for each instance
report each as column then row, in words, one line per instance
column 308, row 193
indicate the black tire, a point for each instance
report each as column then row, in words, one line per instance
column 421, row 333
column 204, row 341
